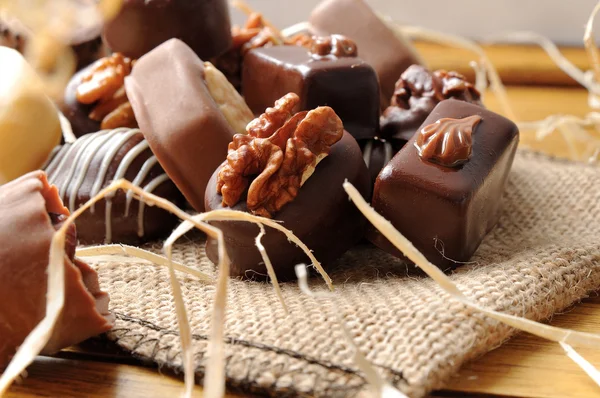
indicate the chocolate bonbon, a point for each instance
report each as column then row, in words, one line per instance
column 377, row 153
column 255, row 33
column 81, row 169
column 417, row 92
column 30, row 211
column 142, row 25
column 379, row 46
column 188, row 112
column 95, row 98
column 445, row 196
column 329, row 73
column 317, row 211
column 29, row 123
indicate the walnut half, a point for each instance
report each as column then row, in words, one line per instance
column 281, row 151
column 103, row 86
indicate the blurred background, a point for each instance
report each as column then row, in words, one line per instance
column 563, row 21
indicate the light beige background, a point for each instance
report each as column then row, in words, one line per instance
column 561, row 20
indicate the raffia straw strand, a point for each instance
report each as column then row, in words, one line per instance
column 246, row 9
column 382, row 388
column 580, row 339
column 590, row 43
column 269, row 265
column 93, row 251
column 587, row 367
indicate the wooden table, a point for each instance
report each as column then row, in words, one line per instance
column 525, row 366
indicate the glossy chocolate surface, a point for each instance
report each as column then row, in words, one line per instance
column 176, row 113
column 142, row 25
column 447, row 209
column 346, row 84
column 81, row 169
column 377, row 153
column 76, row 112
column 416, row 93
column 388, row 54
column 321, row 216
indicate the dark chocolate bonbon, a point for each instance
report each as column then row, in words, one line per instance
column 447, row 211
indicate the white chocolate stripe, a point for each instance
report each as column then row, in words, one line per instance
column 141, row 176
column 150, row 187
column 367, row 152
column 109, row 156
column 83, row 167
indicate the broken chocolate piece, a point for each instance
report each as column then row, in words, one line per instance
column 378, row 45
column 417, row 92
column 346, row 83
column 320, row 215
column 81, row 169
column 26, row 230
column 447, row 211
column 185, row 127
column 142, row 25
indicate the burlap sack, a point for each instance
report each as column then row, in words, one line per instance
column 543, row 256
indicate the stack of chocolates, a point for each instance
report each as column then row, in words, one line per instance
column 212, row 117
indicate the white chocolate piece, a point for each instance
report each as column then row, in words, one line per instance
column 29, row 123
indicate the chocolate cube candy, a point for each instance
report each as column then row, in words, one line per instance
column 443, row 189
column 345, row 83
column 142, row 25
column 388, row 53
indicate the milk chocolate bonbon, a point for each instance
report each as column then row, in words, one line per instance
column 81, row 169
column 417, row 92
column 142, row 25
column 446, row 198
column 179, row 117
column 337, row 79
column 386, row 52
column 26, row 230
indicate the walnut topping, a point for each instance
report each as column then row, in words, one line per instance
column 447, row 142
column 103, row 86
column 281, row 150
column 336, row 46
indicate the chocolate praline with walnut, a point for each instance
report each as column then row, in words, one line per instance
column 292, row 186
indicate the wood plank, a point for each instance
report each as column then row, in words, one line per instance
column 528, row 366
column 516, row 65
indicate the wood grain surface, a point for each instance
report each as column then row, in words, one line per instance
column 525, row 366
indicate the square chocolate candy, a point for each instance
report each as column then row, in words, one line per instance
column 443, row 189
column 345, row 83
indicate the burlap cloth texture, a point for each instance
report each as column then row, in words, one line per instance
column 543, row 256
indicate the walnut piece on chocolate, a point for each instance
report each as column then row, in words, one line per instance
column 281, row 151
column 333, row 46
column 417, row 92
column 103, row 86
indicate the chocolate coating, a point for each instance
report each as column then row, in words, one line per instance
column 377, row 153
column 26, row 232
column 76, row 112
column 142, row 25
column 81, row 169
column 448, row 209
column 175, row 111
column 346, row 84
column 417, row 92
column 378, row 45
column 321, row 216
